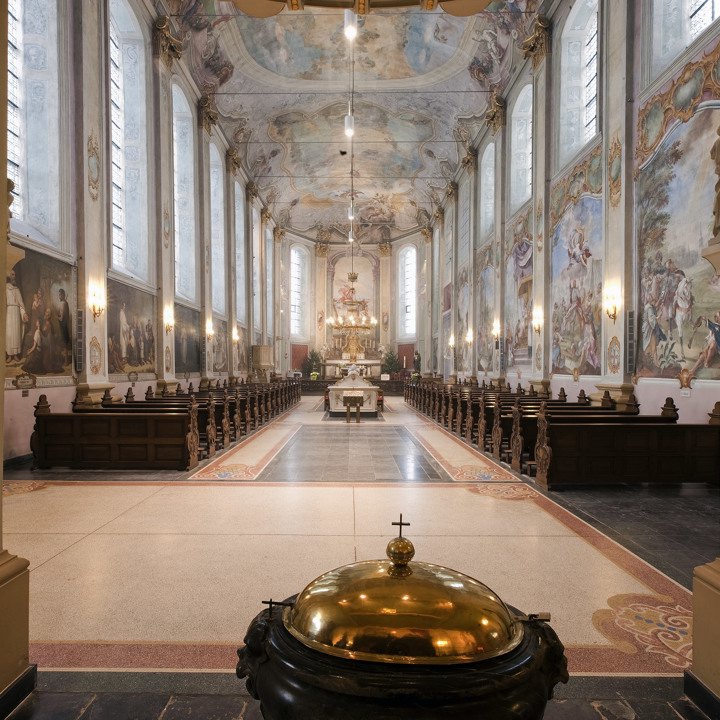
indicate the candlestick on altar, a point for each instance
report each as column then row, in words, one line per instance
column 404, row 362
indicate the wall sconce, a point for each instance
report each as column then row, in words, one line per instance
column 451, row 341
column 496, row 329
column 235, row 336
column 612, row 301
column 537, row 319
column 97, row 300
column 169, row 319
column 209, row 330
column 469, row 337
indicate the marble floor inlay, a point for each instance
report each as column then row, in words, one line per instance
column 146, row 574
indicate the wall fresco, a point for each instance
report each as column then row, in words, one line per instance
column 39, row 325
column 464, row 299
column 519, row 292
column 188, row 341
column 131, row 317
column 220, row 347
column 679, row 291
column 485, row 306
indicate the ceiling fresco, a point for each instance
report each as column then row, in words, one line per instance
column 282, row 86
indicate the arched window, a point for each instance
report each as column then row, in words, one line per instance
column 128, row 148
column 487, row 191
column 257, row 318
column 521, row 148
column 269, row 285
column 675, row 24
column 407, row 292
column 184, row 197
column 217, row 231
column 240, row 263
column 578, row 79
column 299, row 281
column 34, row 121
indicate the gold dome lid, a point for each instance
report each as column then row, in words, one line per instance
column 395, row 611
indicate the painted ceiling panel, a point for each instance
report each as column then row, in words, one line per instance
column 420, row 85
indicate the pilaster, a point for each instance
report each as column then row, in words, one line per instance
column 206, row 121
column 425, row 299
column 388, row 318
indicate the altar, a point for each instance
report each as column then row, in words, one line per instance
column 352, row 385
column 338, row 368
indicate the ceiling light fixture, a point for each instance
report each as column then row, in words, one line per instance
column 350, row 25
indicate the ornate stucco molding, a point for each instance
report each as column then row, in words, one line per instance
column 427, row 233
column 470, row 160
column 232, row 159
column 496, row 113
column 538, row 45
column 265, row 215
column 615, row 171
column 451, row 191
column 251, row 191
column 321, row 250
column 385, row 249
column 166, row 46
column 278, row 233
column 207, row 113
column 586, row 177
column 323, row 234
column 439, row 214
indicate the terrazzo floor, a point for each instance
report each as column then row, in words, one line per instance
column 148, row 575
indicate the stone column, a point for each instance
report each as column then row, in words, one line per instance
column 252, row 203
column 17, row 678
column 92, row 173
column 166, row 49
column 702, row 682
column 322, row 299
column 232, row 166
column 207, row 118
column 470, row 162
column 387, row 310
column 281, row 329
column 439, row 233
column 451, row 206
column 426, row 299
column 265, row 222
column 537, row 48
column 618, row 23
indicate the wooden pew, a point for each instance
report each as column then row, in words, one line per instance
column 118, row 441
column 625, row 453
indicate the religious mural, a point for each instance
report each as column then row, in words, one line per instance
column 220, row 347
column 679, row 291
column 242, row 349
column 38, row 322
column 464, row 350
column 485, row 310
column 519, row 292
column 131, row 329
column 445, row 351
column 188, row 341
column 576, row 291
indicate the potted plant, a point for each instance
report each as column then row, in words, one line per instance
column 391, row 364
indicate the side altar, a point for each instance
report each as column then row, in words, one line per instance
column 352, row 385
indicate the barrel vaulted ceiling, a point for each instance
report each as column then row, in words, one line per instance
column 282, row 85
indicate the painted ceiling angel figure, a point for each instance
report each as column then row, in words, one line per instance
column 577, row 249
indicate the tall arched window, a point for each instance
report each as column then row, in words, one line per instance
column 407, row 292
column 269, row 285
column 299, row 281
column 487, row 191
column 674, row 25
column 578, row 79
column 257, row 299
column 131, row 250
column 217, row 231
column 521, row 143
column 34, row 121
column 184, row 198
column 240, row 263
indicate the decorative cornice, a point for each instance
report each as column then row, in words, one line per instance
column 323, row 234
column 496, row 113
column 165, row 45
column 385, row 249
column 232, row 159
column 538, row 45
column 207, row 113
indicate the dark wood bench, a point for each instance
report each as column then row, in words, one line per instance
column 115, row 440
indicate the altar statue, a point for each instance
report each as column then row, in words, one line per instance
column 417, row 362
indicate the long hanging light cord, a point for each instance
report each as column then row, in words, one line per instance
column 351, row 213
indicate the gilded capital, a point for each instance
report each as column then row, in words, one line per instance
column 265, row 215
column 470, row 159
column 166, row 46
column 251, row 191
column 321, row 250
column 452, row 189
column 537, row 45
column 323, row 234
column 207, row 113
column 439, row 214
column 385, row 249
column 427, row 234
column 495, row 115
column 278, row 233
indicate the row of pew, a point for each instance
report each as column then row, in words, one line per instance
column 158, row 432
column 567, row 444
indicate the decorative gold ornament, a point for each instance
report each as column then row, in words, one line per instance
column 321, row 250
column 576, row 375
column 613, row 356
column 470, row 160
column 426, row 232
column 232, row 159
column 251, row 191
column 278, row 233
column 439, row 214
column 166, row 227
column 385, row 249
column 538, row 44
column 93, row 150
column 452, row 189
column 168, row 359
column 496, row 113
column 270, row 8
column 615, row 171
column 207, row 113
column 265, row 215
column 166, row 46
column 686, row 378
column 95, row 356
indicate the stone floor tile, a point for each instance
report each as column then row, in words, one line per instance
column 126, row 706
column 205, row 707
column 53, row 706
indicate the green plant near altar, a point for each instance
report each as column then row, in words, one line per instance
column 311, row 364
column 391, row 363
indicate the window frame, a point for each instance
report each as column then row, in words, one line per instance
column 241, row 273
column 402, row 277
column 304, row 297
column 222, row 237
column 514, row 205
column 485, row 233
